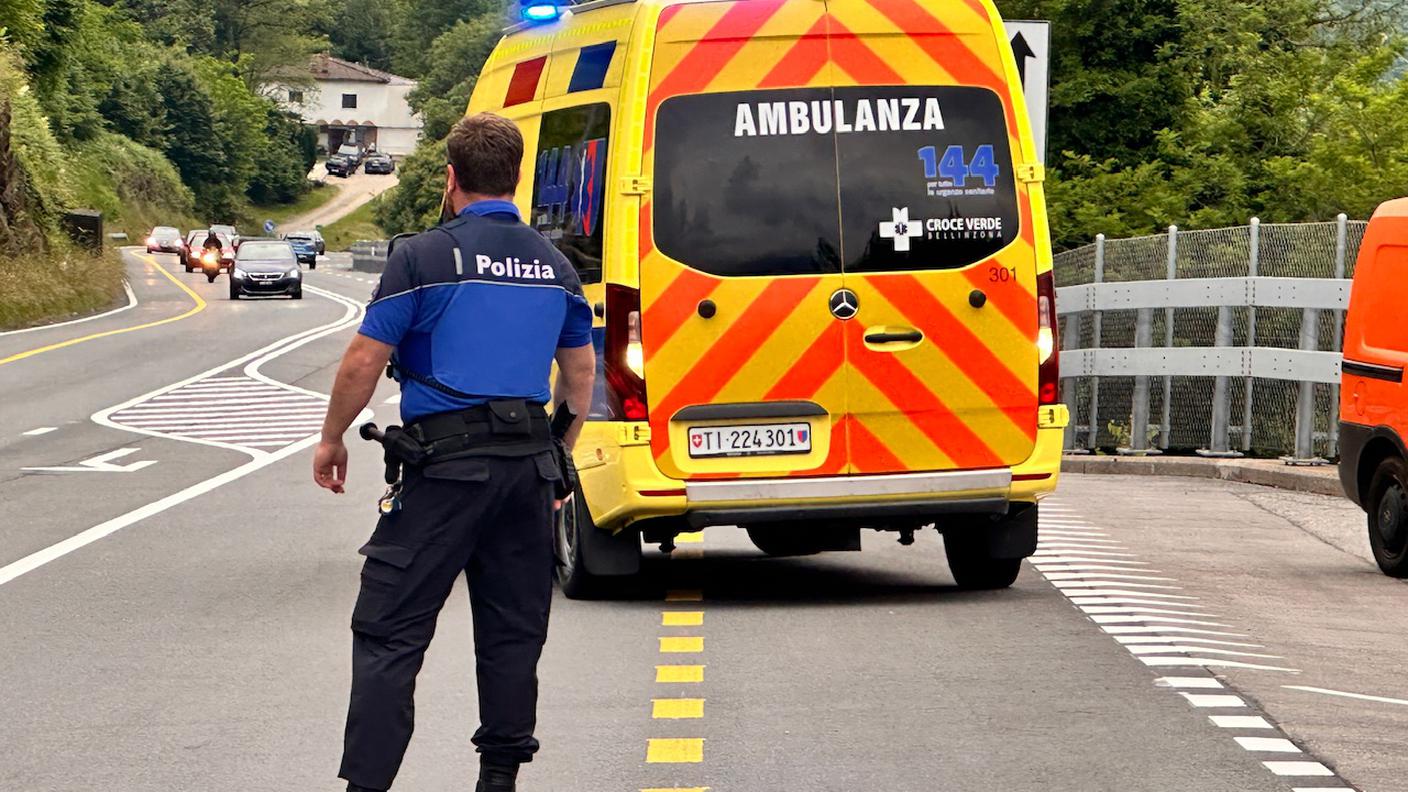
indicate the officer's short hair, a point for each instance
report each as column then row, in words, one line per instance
column 486, row 151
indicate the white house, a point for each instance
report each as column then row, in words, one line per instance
column 351, row 103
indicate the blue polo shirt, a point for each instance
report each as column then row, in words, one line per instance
column 480, row 305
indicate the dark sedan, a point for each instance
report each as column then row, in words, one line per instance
column 338, row 165
column 165, row 239
column 379, row 163
column 266, row 267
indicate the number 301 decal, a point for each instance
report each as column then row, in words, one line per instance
column 1002, row 274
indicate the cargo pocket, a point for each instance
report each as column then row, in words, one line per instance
column 547, row 467
column 383, row 587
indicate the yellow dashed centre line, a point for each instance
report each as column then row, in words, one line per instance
column 679, row 674
column 199, row 306
column 682, row 618
column 677, row 709
column 675, row 751
column 681, row 645
column 690, row 538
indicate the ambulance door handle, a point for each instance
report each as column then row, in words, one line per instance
column 889, row 337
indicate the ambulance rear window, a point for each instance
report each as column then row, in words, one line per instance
column 738, row 205
column 797, row 181
column 569, row 184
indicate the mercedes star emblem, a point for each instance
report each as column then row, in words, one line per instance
column 844, row 304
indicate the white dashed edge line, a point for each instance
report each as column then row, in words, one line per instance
column 1146, row 623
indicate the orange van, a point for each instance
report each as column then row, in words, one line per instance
column 1373, row 399
column 816, row 239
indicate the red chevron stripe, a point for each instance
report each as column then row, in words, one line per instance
column 968, row 352
column 921, row 406
column 814, row 368
column 669, row 311
column 869, row 454
column 802, row 61
column 859, row 61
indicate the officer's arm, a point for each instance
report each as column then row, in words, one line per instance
column 576, row 373
column 357, row 377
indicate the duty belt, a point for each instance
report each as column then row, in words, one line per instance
column 504, row 428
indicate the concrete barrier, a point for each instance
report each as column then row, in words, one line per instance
column 369, row 255
column 1321, row 480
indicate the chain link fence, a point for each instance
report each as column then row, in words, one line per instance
column 1263, row 412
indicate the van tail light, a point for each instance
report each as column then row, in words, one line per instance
column 624, row 354
column 1048, row 351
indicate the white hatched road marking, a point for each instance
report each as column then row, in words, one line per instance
column 1123, row 598
column 41, row 430
column 253, row 415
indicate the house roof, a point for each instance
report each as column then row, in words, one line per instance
column 326, row 67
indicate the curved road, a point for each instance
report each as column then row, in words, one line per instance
column 203, row 644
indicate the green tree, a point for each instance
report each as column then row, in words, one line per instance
column 359, row 31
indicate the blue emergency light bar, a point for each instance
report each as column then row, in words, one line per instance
column 539, row 11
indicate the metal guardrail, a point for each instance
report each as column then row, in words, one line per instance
column 1234, row 354
column 369, row 255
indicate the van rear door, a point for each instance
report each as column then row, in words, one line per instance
column 740, row 244
column 936, row 240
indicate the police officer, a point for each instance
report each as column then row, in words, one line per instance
column 471, row 316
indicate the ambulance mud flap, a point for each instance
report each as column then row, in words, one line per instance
column 609, row 555
column 1012, row 535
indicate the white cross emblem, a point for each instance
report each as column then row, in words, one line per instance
column 901, row 230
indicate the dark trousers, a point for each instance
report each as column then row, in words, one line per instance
column 491, row 519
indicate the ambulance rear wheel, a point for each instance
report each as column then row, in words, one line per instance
column 973, row 567
column 570, row 551
column 1388, row 517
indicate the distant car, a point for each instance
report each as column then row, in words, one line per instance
column 318, row 240
column 164, row 239
column 338, row 165
column 195, row 244
column 229, row 231
column 305, row 247
column 353, row 152
column 379, row 163
column 266, row 266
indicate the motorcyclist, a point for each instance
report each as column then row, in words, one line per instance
column 212, row 242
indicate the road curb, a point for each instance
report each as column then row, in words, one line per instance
column 1321, row 480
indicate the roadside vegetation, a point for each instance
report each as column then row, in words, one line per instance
column 53, row 287
column 316, row 195
column 357, row 226
column 1204, row 114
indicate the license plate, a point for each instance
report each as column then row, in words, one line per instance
column 757, row 440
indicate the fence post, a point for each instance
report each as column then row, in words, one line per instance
column 1165, row 423
column 1139, row 401
column 1219, row 443
column 1304, row 453
column 1252, row 266
column 1095, row 344
column 1341, row 253
column 1071, row 340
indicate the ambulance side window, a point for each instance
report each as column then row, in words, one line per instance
column 569, row 184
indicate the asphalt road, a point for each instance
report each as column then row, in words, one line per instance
column 182, row 625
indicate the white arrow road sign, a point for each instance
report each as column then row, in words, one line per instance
column 103, row 463
column 1031, row 44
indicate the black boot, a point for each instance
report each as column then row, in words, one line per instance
column 496, row 777
column 351, row 787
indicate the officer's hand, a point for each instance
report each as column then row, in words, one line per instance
column 330, row 466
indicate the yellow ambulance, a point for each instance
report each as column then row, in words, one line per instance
column 815, row 237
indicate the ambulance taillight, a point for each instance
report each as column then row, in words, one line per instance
column 1049, row 375
column 624, row 355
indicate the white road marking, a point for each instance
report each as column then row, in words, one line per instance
column 103, row 463
column 1138, row 609
column 40, row 431
column 1343, row 694
column 1153, row 639
column 1071, row 576
column 393, row 400
column 54, row 552
column 1298, row 768
column 1101, row 618
column 1240, row 722
column 1322, row 789
column 1108, row 563
column 1188, row 648
column 131, row 303
column 1060, row 550
column 1269, row 744
column 1140, row 596
column 1170, row 661
column 1158, row 628
column 1081, row 599
column 1211, row 700
column 262, row 413
column 1197, row 683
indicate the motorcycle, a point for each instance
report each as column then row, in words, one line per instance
column 210, row 264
